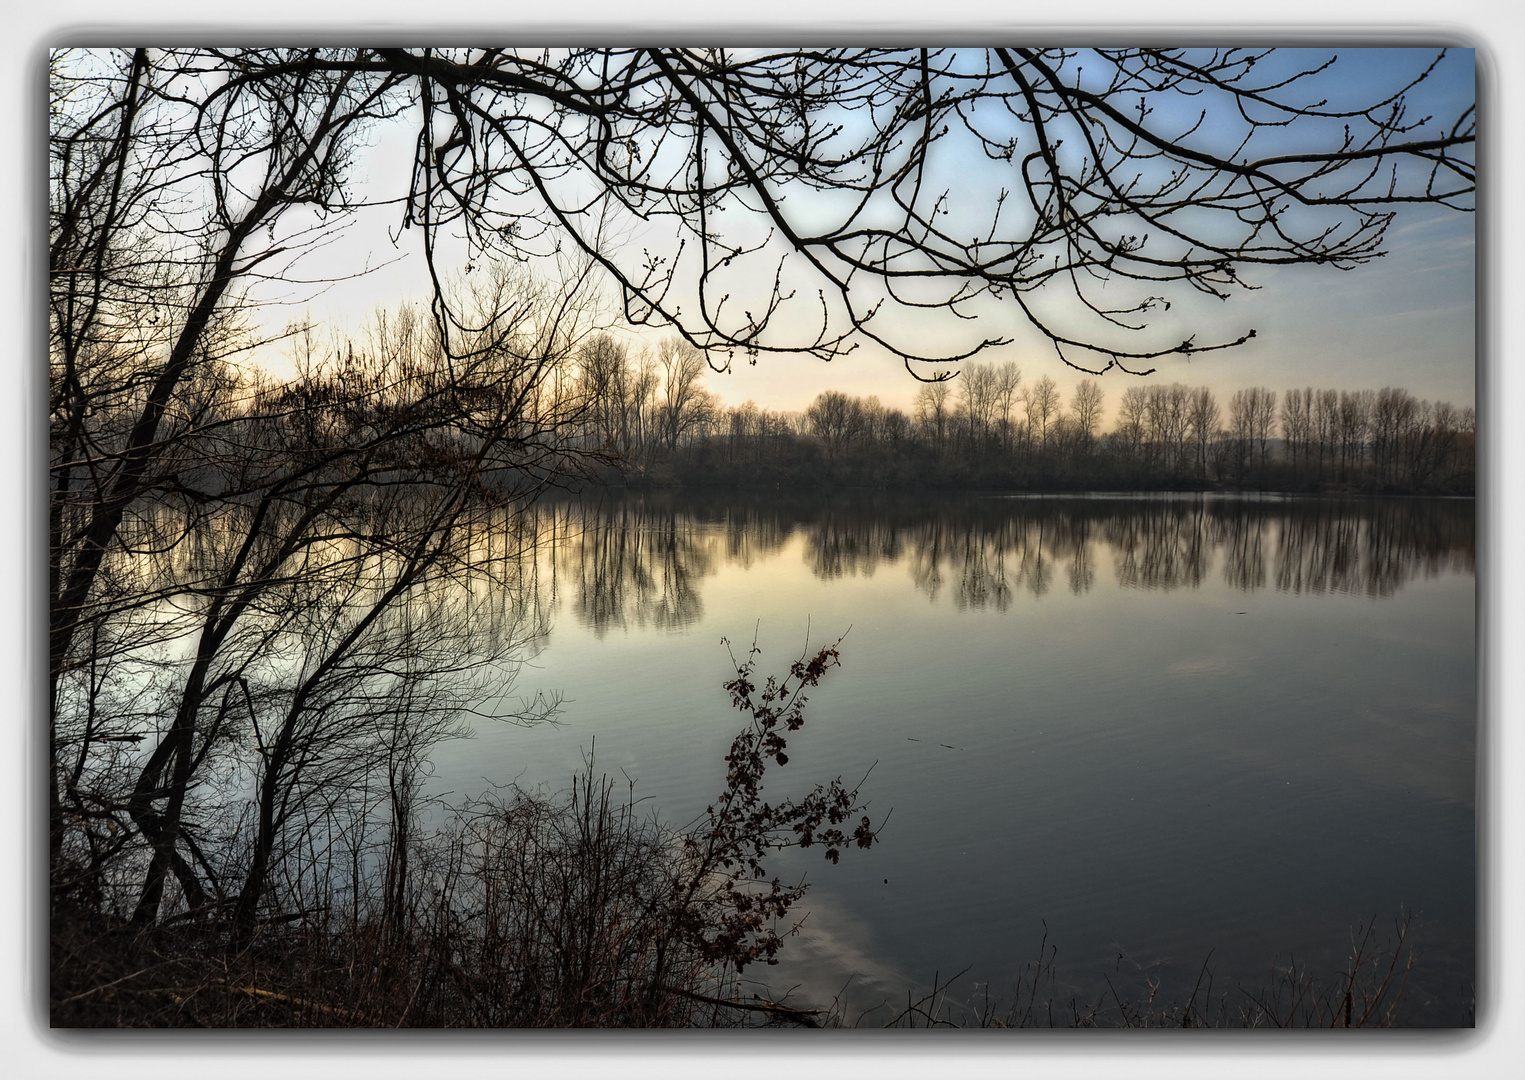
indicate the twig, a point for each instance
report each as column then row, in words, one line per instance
column 113, row 982
column 256, row 992
column 804, row 1016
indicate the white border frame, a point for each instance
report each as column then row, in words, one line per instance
column 31, row 1049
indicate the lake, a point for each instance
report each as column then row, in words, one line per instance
column 1161, row 732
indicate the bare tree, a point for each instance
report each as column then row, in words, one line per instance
column 1132, row 417
column 606, row 384
column 280, row 592
column 1008, row 382
column 978, row 402
column 1166, row 412
column 1085, row 408
column 1204, row 414
column 931, row 408
column 1394, row 412
column 1356, row 409
column 1297, row 424
column 685, row 403
column 1041, row 402
column 1326, row 425
column 1252, row 416
column 835, row 419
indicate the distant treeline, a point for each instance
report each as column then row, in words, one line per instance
column 988, row 429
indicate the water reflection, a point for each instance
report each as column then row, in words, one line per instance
column 1200, row 762
column 639, row 561
column 622, row 564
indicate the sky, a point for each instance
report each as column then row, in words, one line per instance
column 1406, row 319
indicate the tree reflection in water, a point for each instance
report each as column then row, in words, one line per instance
column 1222, row 765
column 639, row 561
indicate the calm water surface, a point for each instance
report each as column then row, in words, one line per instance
column 1157, row 729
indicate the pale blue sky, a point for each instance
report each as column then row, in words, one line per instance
column 1405, row 320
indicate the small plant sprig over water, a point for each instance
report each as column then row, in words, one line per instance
column 738, row 909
